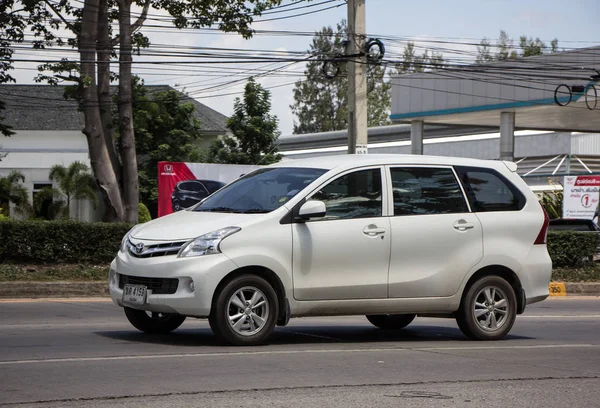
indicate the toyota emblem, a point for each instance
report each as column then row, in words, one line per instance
column 139, row 248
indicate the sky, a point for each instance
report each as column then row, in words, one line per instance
column 450, row 27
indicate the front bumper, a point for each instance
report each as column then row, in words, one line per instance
column 206, row 272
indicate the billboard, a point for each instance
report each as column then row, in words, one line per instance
column 580, row 196
column 181, row 185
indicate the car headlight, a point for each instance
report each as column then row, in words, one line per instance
column 207, row 244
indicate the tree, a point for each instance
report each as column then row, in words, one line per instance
column 505, row 49
column 4, row 129
column 165, row 130
column 74, row 182
column 530, row 47
column 412, row 63
column 90, row 25
column 320, row 103
column 254, row 130
column 12, row 191
column 484, row 53
column 48, row 204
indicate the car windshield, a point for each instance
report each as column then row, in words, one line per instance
column 261, row 191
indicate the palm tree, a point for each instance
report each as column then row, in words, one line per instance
column 75, row 183
column 12, row 191
column 48, row 204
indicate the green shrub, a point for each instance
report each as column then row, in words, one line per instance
column 571, row 248
column 60, row 241
column 143, row 213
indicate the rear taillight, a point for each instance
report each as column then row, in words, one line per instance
column 541, row 238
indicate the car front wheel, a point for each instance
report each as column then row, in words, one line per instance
column 245, row 311
column 391, row 321
column 488, row 309
column 153, row 322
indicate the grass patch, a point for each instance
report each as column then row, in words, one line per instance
column 587, row 273
column 49, row 273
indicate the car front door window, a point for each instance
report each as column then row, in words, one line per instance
column 353, row 195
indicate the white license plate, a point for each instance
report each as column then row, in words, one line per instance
column 134, row 294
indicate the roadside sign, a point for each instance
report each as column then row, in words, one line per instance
column 580, row 196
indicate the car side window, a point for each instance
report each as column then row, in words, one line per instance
column 353, row 195
column 421, row 190
column 488, row 190
column 193, row 186
column 198, row 187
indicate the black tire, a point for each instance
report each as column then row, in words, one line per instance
column 222, row 308
column 177, row 206
column 391, row 321
column 156, row 323
column 477, row 327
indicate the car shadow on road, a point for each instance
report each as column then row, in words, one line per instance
column 297, row 334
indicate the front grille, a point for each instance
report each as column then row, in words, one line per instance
column 142, row 251
column 158, row 286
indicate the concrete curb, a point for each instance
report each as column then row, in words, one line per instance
column 32, row 290
column 21, row 289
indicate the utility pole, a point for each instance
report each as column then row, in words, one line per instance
column 357, row 78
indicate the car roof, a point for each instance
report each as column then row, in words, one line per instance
column 355, row 160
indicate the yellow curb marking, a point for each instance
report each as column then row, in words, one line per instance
column 557, row 289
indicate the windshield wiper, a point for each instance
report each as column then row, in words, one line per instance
column 219, row 209
column 255, row 211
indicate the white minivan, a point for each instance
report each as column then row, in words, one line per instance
column 386, row 236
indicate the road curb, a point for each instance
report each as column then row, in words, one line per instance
column 33, row 290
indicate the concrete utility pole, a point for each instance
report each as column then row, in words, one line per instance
column 357, row 78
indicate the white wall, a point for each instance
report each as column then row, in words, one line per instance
column 33, row 153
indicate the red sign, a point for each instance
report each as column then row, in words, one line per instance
column 181, row 185
column 591, row 181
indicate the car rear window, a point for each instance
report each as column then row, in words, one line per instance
column 488, row 190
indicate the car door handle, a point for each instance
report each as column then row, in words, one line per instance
column 373, row 230
column 462, row 225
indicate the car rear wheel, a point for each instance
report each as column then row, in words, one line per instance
column 488, row 309
column 391, row 321
column 153, row 322
column 245, row 311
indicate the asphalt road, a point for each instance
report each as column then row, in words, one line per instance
column 85, row 354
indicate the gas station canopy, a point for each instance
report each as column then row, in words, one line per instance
column 557, row 92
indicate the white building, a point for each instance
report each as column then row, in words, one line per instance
column 48, row 132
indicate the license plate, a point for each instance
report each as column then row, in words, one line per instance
column 134, row 294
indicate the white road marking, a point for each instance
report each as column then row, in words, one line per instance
column 288, row 352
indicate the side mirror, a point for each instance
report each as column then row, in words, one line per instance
column 312, row 209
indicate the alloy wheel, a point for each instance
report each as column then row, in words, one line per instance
column 491, row 308
column 248, row 311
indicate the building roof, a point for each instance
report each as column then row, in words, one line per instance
column 547, row 92
column 43, row 107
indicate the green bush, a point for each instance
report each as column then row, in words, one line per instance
column 572, row 248
column 60, row 241
column 143, row 213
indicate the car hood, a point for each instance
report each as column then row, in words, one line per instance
column 185, row 225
